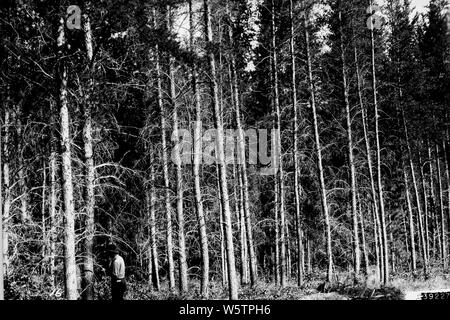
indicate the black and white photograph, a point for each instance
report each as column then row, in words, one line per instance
column 224, row 150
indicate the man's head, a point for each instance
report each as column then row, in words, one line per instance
column 112, row 250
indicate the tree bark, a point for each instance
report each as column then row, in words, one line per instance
column 168, row 209
column 351, row 161
column 323, row 191
column 196, row 166
column 2, row 285
column 89, row 192
column 179, row 171
column 411, row 224
column 7, row 189
column 416, row 192
column 279, row 154
column 220, row 155
column 441, row 208
column 242, row 159
column 297, row 186
column 378, row 162
column 66, row 172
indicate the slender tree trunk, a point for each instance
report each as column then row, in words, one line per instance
column 297, row 186
column 2, row 285
column 411, row 224
column 242, row 234
column 279, row 153
column 232, row 279
column 66, row 172
column 53, row 194
column 447, row 175
column 277, row 233
column 179, row 171
column 196, row 166
column 425, row 208
column 433, row 202
column 351, row 161
column 24, row 216
column 378, row 163
column 363, row 239
column 441, row 208
column 89, row 196
column 7, row 190
column 323, row 193
column 152, row 229
column 376, row 236
column 242, row 160
column 368, row 156
column 416, row 192
column 43, row 225
column 168, row 209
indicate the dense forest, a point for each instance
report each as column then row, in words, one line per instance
column 229, row 149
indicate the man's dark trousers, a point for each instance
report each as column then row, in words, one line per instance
column 118, row 288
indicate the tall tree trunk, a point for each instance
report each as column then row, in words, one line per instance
column 2, row 285
column 179, row 171
column 220, row 155
column 411, row 224
column 152, row 229
column 89, row 192
column 363, row 239
column 279, row 153
column 196, row 166
column 441, row 208
column 351, row 161
column 24, row 216
column 168, row 209
column 368, row 155
column 416, row 191
column 277, row 233
column 323, row 191
column 7, row 189
column 53, row 193
column 378, row 162
column 66, row 172
column 43, row 224
column 297, row 186
column 242, row 158
column 242, row 234
column 425, row 208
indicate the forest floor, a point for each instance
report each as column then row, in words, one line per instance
column 313, row 289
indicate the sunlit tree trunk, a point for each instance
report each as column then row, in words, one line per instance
column 425, row 208
column 323, row 191
column 165, row 164
column 297, row 187
column 66, row 172
column 151, row 207
column 2, row 285
column 179, row 171
column 89, row 193
column 242, row 159
column 385, row 250
column 220, row 155
column 22, row 176
column 416, row 191
column 441, row 208
column 411, row 224
column 368, row 157
column 196, row 166
column 351, row 161
column 52, row 234
column 279, row 153
column 6, row 188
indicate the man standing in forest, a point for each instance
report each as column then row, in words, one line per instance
column 117, row 271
